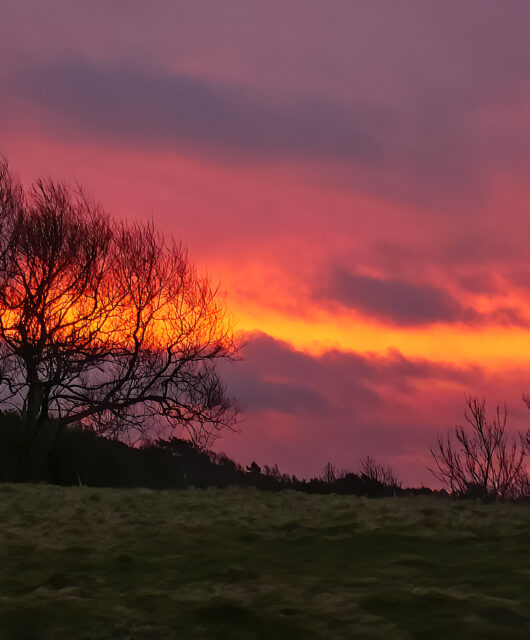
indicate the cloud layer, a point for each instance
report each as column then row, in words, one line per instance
column 395, row 301
column 147, row 109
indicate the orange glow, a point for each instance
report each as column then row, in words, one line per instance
column 492, row 347
column 267, row 277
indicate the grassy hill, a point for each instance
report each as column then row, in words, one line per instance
column 243, row 564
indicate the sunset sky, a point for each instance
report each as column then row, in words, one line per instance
column 355, row 174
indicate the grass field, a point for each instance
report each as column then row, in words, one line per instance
column 242, row 564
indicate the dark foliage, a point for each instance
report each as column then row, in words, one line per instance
column 79, row 456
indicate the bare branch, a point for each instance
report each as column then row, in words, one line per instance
column 482, row 458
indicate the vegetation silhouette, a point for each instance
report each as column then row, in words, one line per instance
column 483, row 459
column 79, row 456
column 102, row 324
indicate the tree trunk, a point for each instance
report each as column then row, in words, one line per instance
column 34, row 454
column 33, row 450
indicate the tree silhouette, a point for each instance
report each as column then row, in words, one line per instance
column 481, row 458
column 375, row 472
column 102, row 323
column 330, row 473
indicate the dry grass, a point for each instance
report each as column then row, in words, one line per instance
column 103, row 563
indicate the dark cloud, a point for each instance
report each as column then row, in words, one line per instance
column 149, row 108
column 410, row 93
column 395, row 301
column 254, row 391
column 341, row 405
column 274, row 376
column 403, row 303
column 425, row 148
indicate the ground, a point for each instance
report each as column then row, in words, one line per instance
column 136, row 564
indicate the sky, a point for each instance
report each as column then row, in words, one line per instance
column 354, row 174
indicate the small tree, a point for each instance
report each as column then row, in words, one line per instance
column 376, row 472
column 253, row 468
column 330, row 473
column 482, row 458
column 102, row 323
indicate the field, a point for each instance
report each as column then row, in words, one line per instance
column 241, row 564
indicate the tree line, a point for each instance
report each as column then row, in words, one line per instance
column 82, row 457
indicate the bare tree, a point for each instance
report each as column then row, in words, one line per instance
column 103, row 324
column 331, row 474
column 482, row 458
column 376, row 472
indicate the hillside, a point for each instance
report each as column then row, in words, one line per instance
column 82, row 563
